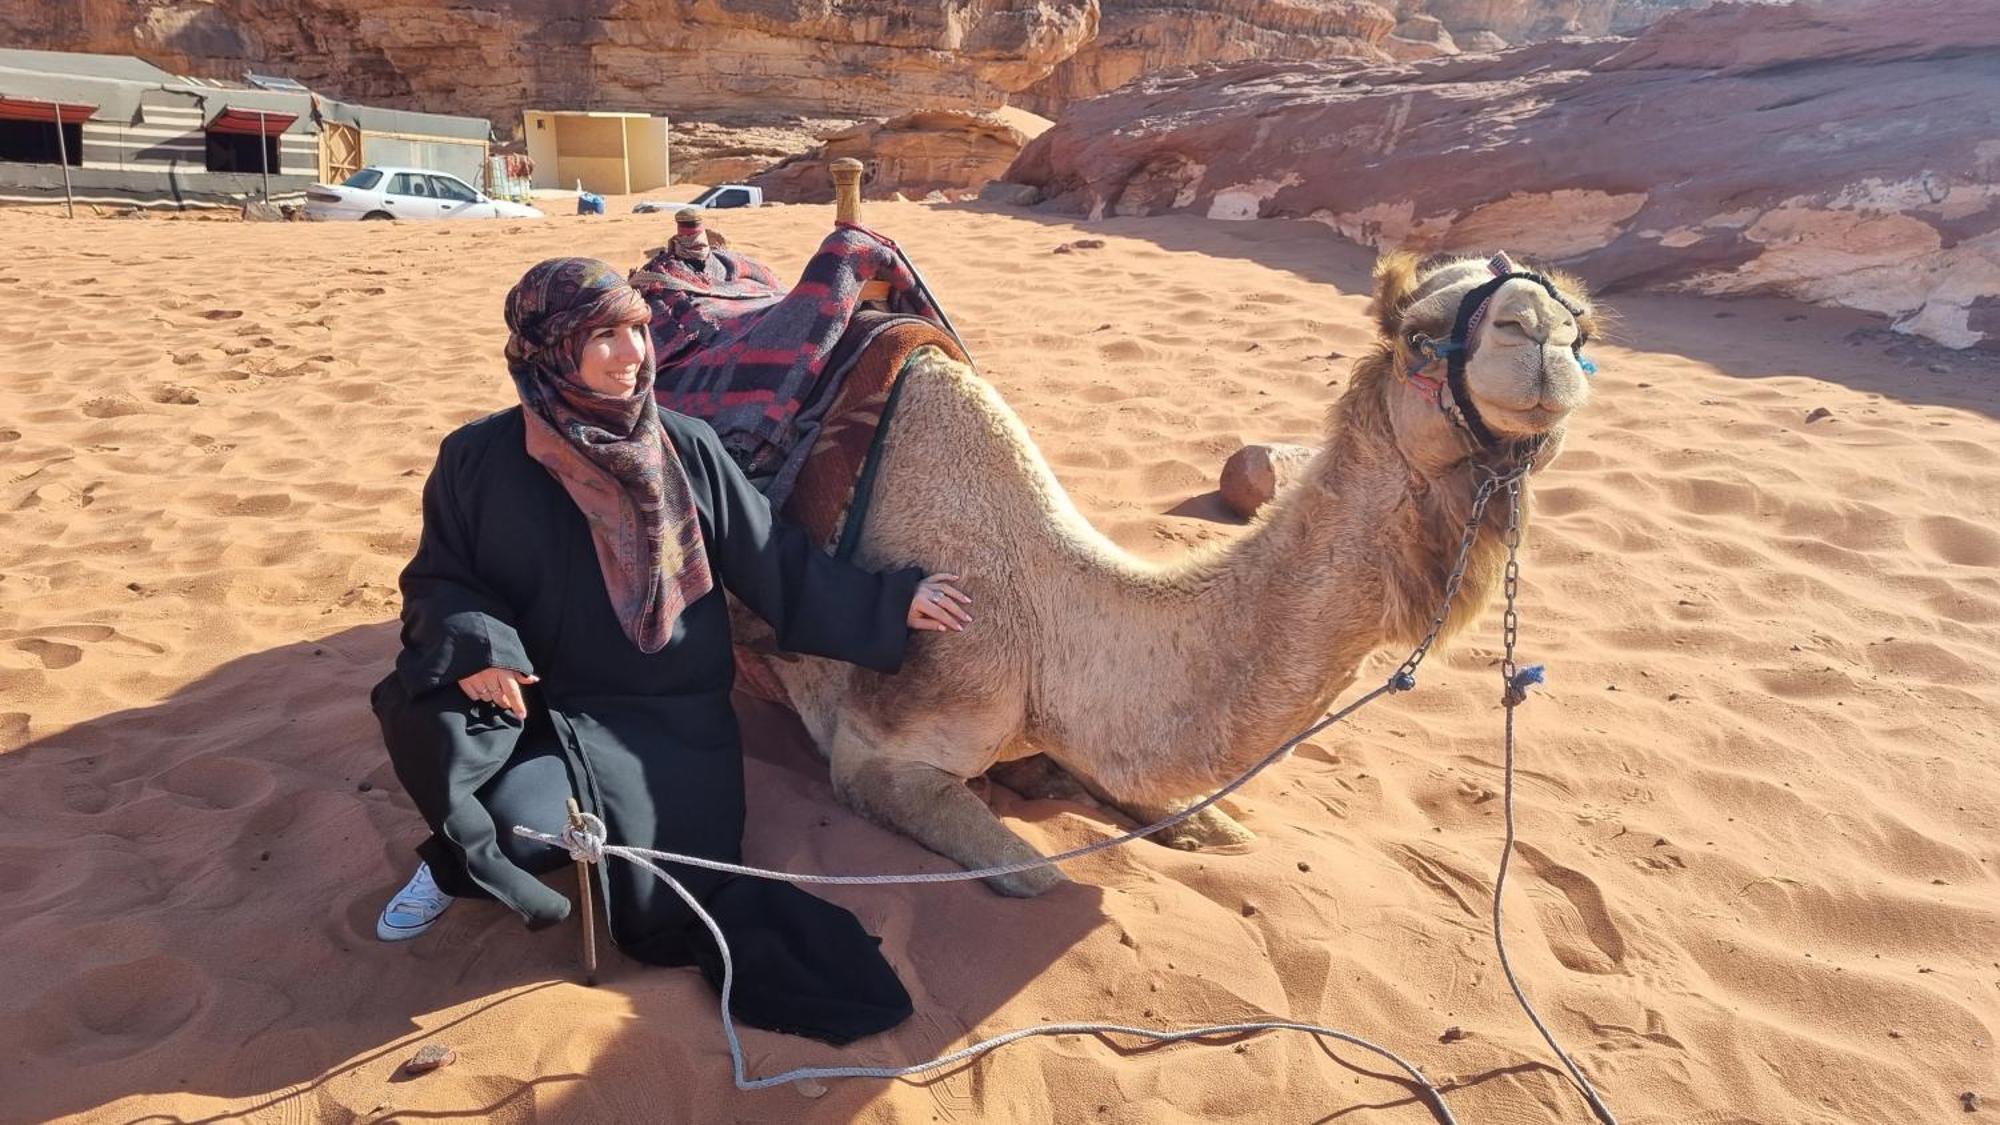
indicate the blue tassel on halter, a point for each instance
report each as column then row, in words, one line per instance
column 1589, row 368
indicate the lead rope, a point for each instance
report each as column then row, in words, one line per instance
column 1514, row 691
column 586, row 842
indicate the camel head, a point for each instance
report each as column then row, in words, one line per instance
column 1479, row 353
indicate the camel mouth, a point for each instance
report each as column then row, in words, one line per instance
column 1529, row 421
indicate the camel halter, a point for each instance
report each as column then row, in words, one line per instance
column 1457, row 351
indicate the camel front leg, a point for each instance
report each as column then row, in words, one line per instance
column 1208, row 830
column 938, row 811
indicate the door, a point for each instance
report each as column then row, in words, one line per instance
column 457, row 200
column 339, row 152
column 409, row 196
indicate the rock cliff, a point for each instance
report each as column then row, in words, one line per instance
column 912, row 154
column 495, row 58
column 1846, row 152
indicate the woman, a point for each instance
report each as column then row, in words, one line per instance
column 565, row 633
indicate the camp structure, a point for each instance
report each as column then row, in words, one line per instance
column 608, row 153
column 112, row 129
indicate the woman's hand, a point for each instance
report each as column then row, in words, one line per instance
column 937, row 608
column 500, row 687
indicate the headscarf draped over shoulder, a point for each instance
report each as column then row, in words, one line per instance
column 609, row 451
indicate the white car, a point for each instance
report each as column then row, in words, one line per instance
column 407, row 193
column 714, row 199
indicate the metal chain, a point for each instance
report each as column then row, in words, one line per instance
column 1405, row 676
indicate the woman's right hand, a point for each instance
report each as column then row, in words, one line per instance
column 500, row 687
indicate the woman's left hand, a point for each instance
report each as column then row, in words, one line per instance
column 939, row 605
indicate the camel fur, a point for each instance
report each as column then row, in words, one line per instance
column 1152, row 684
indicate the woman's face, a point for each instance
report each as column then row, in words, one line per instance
column 611, row 357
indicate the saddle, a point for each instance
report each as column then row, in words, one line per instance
column 836, row 484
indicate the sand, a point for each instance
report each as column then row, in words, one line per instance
column 1760, row 797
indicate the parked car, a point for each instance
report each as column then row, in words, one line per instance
column 714, row 199
column 379, row 192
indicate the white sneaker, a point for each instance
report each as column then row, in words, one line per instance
column 414, row 909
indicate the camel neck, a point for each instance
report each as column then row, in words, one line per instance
column 1356, row 556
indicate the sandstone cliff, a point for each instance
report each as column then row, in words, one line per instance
column 1842, row 152
column 912, row 154
column 679, row 57
column 1138, row 37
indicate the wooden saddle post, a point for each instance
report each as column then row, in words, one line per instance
column 846, row 173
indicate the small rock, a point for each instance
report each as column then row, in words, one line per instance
column 1304, row 866
column 810, row 1087
column 1064, row 248
column 1895, row 1033
column 263, row 857
column 365, row 786
column 1817, row 413
column 1255, row 473
column 1452, row 1035
column 1088, row 244
column 1249, row 910
column 1970, row 1100
column 430, row 1058
column 257, row 211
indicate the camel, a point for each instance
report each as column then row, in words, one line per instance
column 1149, row 685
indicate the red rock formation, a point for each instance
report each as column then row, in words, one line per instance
column 1841, row 152
column 677, row 57
column 914, row 154
column 1138, row 37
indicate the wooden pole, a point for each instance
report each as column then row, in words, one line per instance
column 846, row 174
column 62, row 158
column 264, row 153
column 583, row 895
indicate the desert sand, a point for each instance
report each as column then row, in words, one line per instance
column 1760, row 796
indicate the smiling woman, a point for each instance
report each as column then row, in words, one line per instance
column 565, row 635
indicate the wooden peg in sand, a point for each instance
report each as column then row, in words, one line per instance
column 583, row 878
column 846, row 173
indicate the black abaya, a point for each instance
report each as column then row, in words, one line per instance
column 506, row 576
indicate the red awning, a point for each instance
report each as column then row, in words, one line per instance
column 28, row 109
column 233, row 119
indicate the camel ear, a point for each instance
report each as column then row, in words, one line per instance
column 1395, row 282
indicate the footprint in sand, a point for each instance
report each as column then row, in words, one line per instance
column 222, row 314
column 1579, row 929
column 215, row 781
column 10, row 435
column 1957, row 541
column 14, row 729
column 128, row 1007
column 51, row 655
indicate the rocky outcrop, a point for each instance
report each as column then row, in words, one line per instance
column 1138, row 37
column 912, row 155
column 1843, row 152
column 494, row 58
column 736, row 147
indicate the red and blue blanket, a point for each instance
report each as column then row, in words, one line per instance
column 761, row 363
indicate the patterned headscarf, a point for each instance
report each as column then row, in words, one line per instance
column 691, row 241
column 609, row 451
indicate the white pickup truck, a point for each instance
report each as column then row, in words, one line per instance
column 717, row 198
